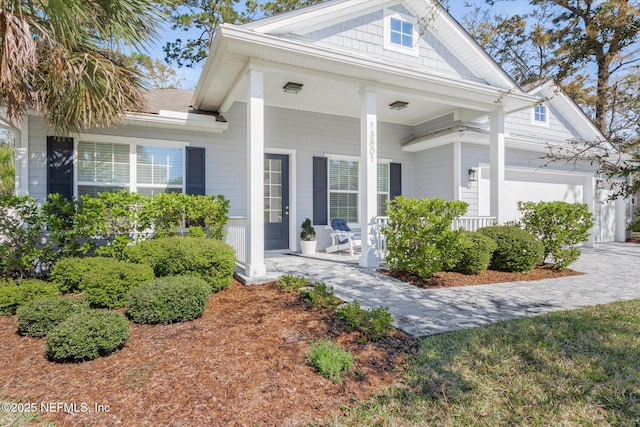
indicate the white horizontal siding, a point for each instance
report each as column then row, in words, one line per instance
column 433, row 125
column 434, row 173
column 472, row 156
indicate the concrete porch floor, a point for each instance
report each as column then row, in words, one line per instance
column 612, row 274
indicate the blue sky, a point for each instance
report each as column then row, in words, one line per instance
column 457, row 9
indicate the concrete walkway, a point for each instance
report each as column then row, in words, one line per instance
column 612, row 274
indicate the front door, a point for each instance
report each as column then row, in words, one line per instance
column 276, row 201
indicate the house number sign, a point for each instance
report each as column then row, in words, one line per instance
column 372, row 142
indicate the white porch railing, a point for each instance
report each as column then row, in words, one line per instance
column 472, row 223
column 235, row 233
column 381, row 223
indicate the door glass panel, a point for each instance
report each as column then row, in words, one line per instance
column 272, row 191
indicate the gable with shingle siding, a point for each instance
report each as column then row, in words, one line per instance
column 366, row 35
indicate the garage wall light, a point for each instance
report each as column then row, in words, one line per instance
column 473, row 175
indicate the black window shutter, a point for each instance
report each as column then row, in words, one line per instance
column 60, row 166
column 195, row 171
column 395, row 180
column 320, row 208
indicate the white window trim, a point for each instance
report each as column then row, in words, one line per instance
column 388, row 45
column 538, row 122
column 133, row 143
column 357, row 159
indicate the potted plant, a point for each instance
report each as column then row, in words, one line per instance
column 308, row 238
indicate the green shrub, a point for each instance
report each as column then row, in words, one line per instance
column 210, row 259
column 87, row 335
column 329, row 359
column 13, row 294
column 288, row 282
column 168, row 299
column 560, row 226
column 374, row 324
column 172, row 211
column 107, row 283
column 68, row 273
column 21, row 227
column 39, row 316
column 419, row 236
column 517, row 249
column 319, row 295
column 475, row 253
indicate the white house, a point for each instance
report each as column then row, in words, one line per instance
column 326, row 112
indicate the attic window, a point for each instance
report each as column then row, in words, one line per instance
column 540, row 115
column 400, row 34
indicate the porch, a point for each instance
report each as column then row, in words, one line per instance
column 236, row 232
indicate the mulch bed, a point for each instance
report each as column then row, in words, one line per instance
column 242, row 363
column 451, row 279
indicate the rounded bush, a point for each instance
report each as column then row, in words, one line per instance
column 13, row 294
column 87, row 335
column 106, row 284
column 168, row 300
column 39, row 316
column 475, row 252
column 517, row 249
column 210, row 259
column 68, row 273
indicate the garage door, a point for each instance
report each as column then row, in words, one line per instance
column 529, row 186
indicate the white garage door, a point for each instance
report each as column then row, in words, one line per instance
column 529, row 186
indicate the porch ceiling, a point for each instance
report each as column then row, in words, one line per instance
column 333, row 81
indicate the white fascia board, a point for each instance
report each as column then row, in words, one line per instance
column 308, row 18
column 570, row 110
column 214, row 60
column 234, row 34
column 177, row 120
column 448, row 30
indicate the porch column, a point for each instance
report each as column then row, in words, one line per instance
column 22, row 157
column 255, row 266
column 368, row 178
column 497, row 161
column 588, row 198
column 457, row 170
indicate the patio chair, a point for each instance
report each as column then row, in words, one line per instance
column 343, row 238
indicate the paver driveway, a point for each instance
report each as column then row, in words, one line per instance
column 612, row 274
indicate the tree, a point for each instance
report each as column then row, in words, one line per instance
column 156, row 74
column 60, row 57
column 585, row 46
column 203, row 16
column 589, row 48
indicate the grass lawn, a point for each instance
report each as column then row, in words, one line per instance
column 579, row 367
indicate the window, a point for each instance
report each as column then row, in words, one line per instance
column 343, row 190
column 540, row 115
column 159, row 170
column 344, row 187
column 102, row 167
column 146, row 169
column 383, row 188
column 400, row 33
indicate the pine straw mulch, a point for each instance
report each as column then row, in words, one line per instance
column 448, row 279
column 242, row 363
